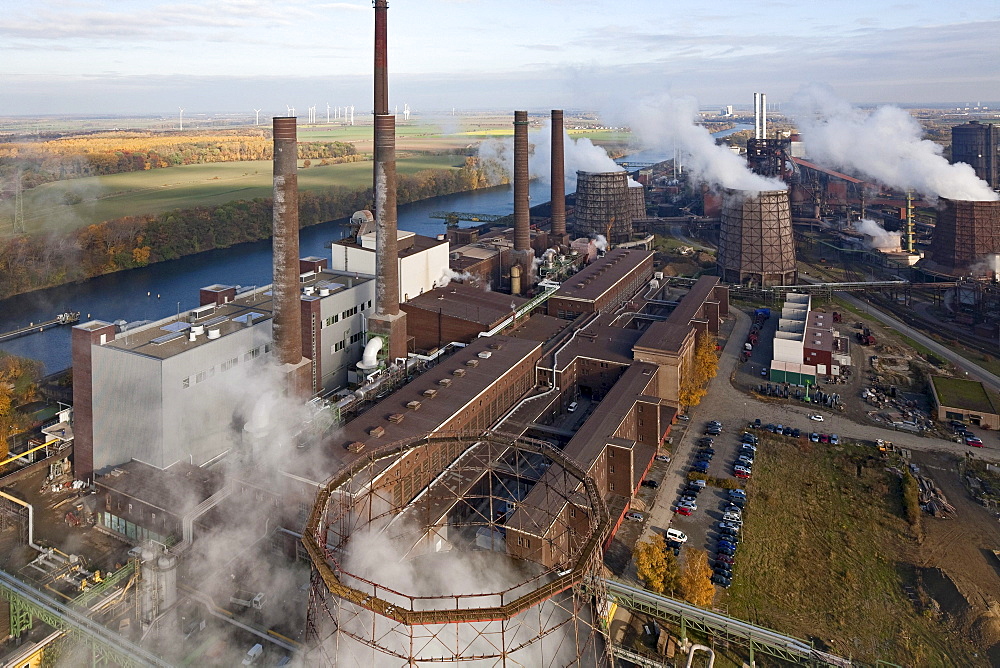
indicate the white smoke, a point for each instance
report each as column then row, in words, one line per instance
column 496, row 156
column 988, row 266
column 664, row 123
column 880, row 238
column 448, row 275
column 601, row 242
column 885, row 145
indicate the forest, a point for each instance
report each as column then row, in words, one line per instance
column 31, row 262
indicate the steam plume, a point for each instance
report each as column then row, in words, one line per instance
column 884, row 145
column 880, row 238
column 665, row 122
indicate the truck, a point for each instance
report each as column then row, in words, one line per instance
column 248, row 599
column 765, row 312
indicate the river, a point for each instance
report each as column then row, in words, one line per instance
column 157, row 291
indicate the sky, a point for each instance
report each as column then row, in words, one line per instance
column 153, row 56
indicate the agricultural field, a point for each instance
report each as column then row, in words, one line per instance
column 74, row 203
column 828, row 556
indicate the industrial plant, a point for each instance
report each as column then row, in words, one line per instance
column 437, row 439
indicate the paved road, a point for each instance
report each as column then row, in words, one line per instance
column 974, row 371
column 731, row 406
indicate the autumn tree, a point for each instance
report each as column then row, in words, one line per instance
column 699, row 370
column 656, row 566
column 696, row 579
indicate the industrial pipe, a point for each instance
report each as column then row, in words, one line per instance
column 31, row 519
column 369, row 360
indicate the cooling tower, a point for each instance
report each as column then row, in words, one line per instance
column 518, row 578
column 603, row 205
column 966, row 232
column 636, row 202
column 755, row 239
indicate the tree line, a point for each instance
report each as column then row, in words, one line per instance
column 116, row 153
column 32, row 262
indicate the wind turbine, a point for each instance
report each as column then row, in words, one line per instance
column 182, row 117
column 327, row 113
column 291, row 111
column 257, row 111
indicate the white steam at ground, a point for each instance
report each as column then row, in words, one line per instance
column 880, row 238
column 885, row 145
column 665, row 122
column 601, row 242
column 448, row 275
column 496, row 156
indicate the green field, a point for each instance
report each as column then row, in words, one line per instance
column 824, row 557
column 100, row 198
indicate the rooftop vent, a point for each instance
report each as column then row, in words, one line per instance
column 214, row 333
column 430, row 393
column 377, row 432
column 413, row 405
column 485, row 355
column 458, row 372
column 472, row 363
column 396, row 418
column 356, row 446
column 445, row 382
column 496, row 346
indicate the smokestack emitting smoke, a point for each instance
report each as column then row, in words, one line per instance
column 665, row 123
column 558, row 176
column 287, row 321
column 522, row 213
column 885, row 145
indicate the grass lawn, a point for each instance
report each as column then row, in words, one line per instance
column 824, row 558
column 156, row 191
column 961, row 393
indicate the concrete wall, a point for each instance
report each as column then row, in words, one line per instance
column 788, row 350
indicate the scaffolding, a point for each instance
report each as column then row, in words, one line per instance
column 484, row 490
column 604, row 205
column 965, row 234
column 756, row 246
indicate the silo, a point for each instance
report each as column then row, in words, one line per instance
column 603, row 205
column 965, row 234
column 756, row 245
column 166, row 580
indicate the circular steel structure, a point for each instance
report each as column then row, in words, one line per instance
column 604, row 205
column 756, row 245
column 391, row 534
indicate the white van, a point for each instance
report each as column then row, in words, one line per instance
column 676, row 536
column 253, row 655
column 572, row 407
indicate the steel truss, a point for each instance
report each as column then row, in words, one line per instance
column 474, row 485
column 107, row 647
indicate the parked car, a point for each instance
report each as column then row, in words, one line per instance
column 635, row 516
column 683, row 417
column 834, row 439
column 763, row 372
column 778, row 428
column 683, row 510
column 725, row 558
column 693, row 505
column 770, row 427
column 703, row 456
column 726, row 551
column 739, row 468
column 706, row 440
column 796, row 433
column 663, row 458
column 713, row 431
column 816, row 417
column 676, row 535
column 749, row 446
column 722, row 581
column 687, row 499
column 814, row 437
column 700, row 467
column 724, row 570
column 734, row 518
column 787, row 431
column 747, row 437
column 739, row 502
column 697, row 483
column 727, row 544
column 737, row 492
column 824, row 438
column 715, row 423
column 746, row 457
column 650, row 483
column 731, row 508
column 730, row 534
column 742, row 474
column 707, row 449
column 974, row 441
column 691, row 490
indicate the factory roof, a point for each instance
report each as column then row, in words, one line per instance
column 818, row 338
column 539, row 327
column 409, row 243
column 171, row 336
column 825, row 170
column 448, row 401
column 691, row 304
column 457, row 300
column 664, row 336
column 176, row 489
column 603, row 274
column 602, row 342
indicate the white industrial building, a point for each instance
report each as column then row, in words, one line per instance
column 423, row 261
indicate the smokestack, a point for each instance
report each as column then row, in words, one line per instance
column 763, row 115
column 287, row 320
column 381, row 57
column 522, row 213
column 756, row 116
column 388, row 321
column 386, row 253
column 558, row 178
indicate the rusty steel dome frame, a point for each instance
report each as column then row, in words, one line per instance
column 336, row 592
